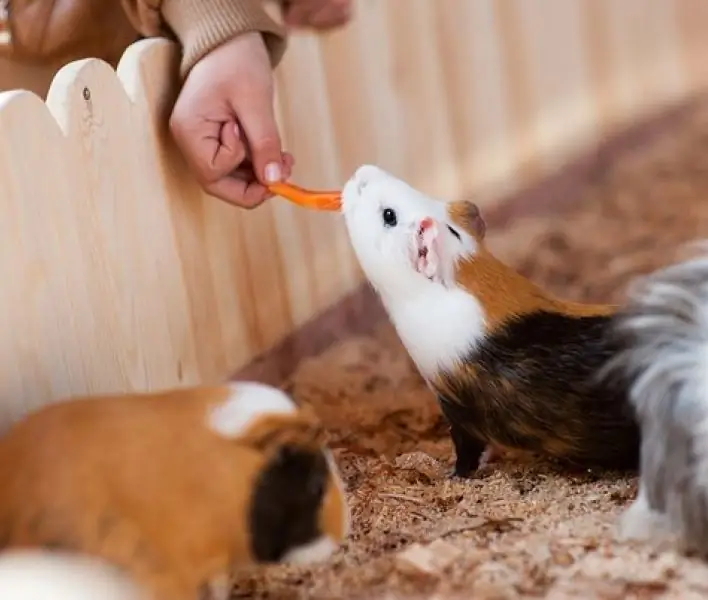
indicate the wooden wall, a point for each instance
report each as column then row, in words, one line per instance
column 470, row 97
column 120, row 275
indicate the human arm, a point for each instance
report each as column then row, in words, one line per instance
column 223, row 120
column 59, row 31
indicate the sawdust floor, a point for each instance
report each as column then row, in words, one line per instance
column 522, row 530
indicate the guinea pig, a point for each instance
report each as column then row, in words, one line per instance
column 665, row 359
column 175, row 488
column 513, row 367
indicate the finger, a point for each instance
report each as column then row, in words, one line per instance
column 195, row 144
column 287, row 172
column 288, row 163
column 230, row 151
column 255, row 195
column 244, row 172
column 230, row 189
column 250, row 192
column 257, row 118
column 331, row 15
column 210, row 147
column 288, row 159
column 297, row 12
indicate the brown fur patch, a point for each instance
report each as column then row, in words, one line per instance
column 115, row 452
column 504, row 293
column 271, row 432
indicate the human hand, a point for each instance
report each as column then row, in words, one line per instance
column 320, row 14
column 224, row 123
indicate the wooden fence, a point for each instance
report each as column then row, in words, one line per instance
column 120, row 275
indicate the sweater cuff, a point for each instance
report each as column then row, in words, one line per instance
column 203, row 25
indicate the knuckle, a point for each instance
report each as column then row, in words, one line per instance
column 204, row 178
column 207, row 185
column 246, row 202
column 214, row 190
column 254, row 197
column 176, row 127
column 176, row 121
column 200, row 169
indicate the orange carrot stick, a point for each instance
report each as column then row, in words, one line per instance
column 308, row 198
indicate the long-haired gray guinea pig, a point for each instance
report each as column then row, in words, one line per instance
column 664, row 328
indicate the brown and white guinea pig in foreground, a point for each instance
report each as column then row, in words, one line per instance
column 513, row 367
column 666, row 359
column 172, row 490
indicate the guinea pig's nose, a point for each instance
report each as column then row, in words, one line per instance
column 365, row 175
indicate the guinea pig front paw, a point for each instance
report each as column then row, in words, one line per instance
column 454, row 475
column 640, row 522
column 462, row 470
column 490, row 455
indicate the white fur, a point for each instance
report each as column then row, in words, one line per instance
column 437, row 321
column 41, row 575
column 220, row 587
column 666, row 359
column 640, row 521
column 316, row 551
column 247, row 402
column 346, row 515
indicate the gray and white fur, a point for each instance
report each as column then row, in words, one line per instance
column 665, row 337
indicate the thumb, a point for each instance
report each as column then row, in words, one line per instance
column 257, row 119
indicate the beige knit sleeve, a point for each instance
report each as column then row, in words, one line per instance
column 202, row 25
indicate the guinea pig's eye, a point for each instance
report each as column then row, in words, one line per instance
column 453, row 232
column 389, row 217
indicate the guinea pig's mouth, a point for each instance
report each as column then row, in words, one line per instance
column 426, row 249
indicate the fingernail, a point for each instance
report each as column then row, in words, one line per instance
column 273, row 173
column 237, row 131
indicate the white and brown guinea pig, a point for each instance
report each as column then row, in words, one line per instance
column 666, row 358
column 175, row 489
column 512, row 366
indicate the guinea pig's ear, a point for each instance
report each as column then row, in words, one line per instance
column 468, row 216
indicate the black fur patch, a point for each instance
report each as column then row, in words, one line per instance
column 537, row 387
column 286, row 503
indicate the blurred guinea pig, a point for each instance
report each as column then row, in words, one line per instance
column 174, row 489
column 665, row 358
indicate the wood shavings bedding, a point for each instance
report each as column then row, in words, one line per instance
column 523, row 530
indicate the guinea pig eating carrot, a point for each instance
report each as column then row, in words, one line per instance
column 512, row 366
column 175, row 489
